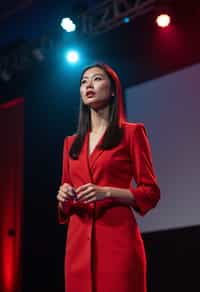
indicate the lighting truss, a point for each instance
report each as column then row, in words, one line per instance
column 14, row 8
column 110, row 14
column 22, row 56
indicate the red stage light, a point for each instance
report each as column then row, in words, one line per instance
column 163, row 20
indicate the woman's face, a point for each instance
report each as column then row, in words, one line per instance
column 95, row 88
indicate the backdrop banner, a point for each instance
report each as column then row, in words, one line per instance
column 11, row 193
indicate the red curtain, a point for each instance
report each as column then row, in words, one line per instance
column 11, row 193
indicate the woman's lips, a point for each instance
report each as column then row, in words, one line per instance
column 90, row 94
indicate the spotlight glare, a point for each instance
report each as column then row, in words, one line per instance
column 68, row 25
column 126, row 19
column 163, row 20
column 72, row 56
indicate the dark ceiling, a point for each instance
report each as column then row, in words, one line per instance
column 139, row 50
column 29, row 18
column 26, row 19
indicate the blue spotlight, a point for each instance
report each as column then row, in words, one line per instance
column 126, row 19
column 68, row 25
column 72, row 56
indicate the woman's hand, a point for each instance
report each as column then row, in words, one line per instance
column 90, row 193
column 65, row 193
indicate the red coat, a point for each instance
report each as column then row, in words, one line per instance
column 104, row 248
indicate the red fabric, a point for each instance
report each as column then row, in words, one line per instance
column 104, row 248
column 11, row 189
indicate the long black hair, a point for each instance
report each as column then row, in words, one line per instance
column 114, row 131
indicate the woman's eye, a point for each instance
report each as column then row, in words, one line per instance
column 98, row 78
column 83, row 81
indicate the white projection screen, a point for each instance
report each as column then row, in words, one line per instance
column 169, row 107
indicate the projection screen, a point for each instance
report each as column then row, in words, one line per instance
column 169, row 107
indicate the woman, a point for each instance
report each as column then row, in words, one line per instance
column 104, row 248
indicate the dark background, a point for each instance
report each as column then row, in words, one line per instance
column 139, row 51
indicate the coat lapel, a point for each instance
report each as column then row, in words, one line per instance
column 96, row 153
column 86, row 161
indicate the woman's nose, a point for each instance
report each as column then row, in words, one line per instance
column 89, row 83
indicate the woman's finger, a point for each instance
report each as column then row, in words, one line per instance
column 60, row 198
column 67, row 189
column 93, row 199
column 87, row 196
column 82, row 195
column 63, row 195
column 64, row 188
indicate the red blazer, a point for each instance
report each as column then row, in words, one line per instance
column 133, row 156
column 128, row 162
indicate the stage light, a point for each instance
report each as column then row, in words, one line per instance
column 5, row 76
column 68, row 25
column 163, row 20
column 126, row 19
column 72, row 56
column 37, row 53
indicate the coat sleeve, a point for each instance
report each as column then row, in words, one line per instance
column 147, row 192
column 63, row 214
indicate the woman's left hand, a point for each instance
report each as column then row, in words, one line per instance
column 90, row 193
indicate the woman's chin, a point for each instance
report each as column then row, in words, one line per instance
column 97, row 105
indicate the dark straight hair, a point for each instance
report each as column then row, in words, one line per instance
column 113, row 132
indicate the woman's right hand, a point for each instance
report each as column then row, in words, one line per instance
column 65, row 193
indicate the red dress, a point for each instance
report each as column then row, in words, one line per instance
column 104, row 248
